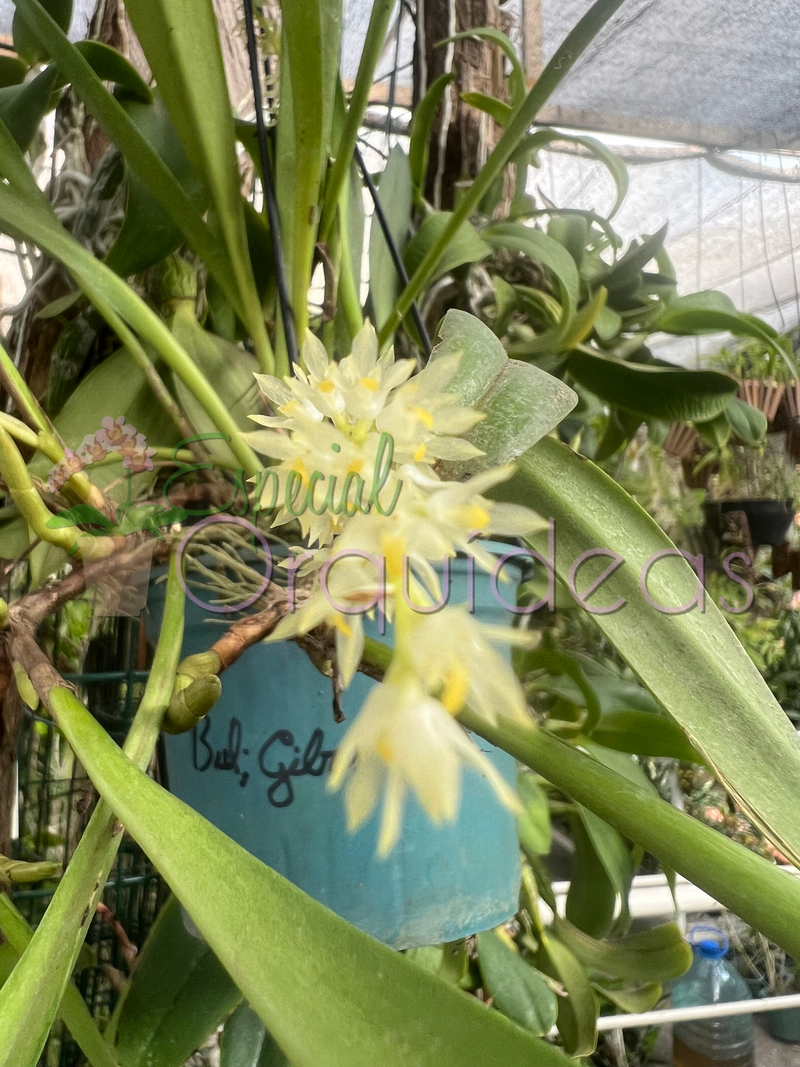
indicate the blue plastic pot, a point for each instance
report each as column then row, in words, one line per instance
column 257, row 768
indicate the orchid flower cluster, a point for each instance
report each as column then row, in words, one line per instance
column 366, row 425
column 117, row 436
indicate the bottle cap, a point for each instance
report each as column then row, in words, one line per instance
column 708, row 942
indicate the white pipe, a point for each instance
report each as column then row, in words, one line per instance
column 700, row 1011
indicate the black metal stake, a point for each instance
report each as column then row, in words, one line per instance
column 397, row 260
column 269, row 189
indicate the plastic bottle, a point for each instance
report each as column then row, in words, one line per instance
column 720, row 1042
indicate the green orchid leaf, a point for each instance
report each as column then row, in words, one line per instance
column 246, row 1043
column 396, row 193
column 542, row 249
column 421, row 126
column 310, row 63
column 12, row 71
column 578, row 1010
column 268, row 934
column 592, row 898
column 516, row 81
column 748, row 423
column 178, row 994
column 653, row 391
column 111, row 66
column 644, row 734
column 615, row 164
column 613, row 853
column 72, row 1009
column 465, row 247
column 717, row 697
column 116, row 387
column 181, row 43
column 517, row 989
column 148, row 234
column 496, row 109
column 656, row 955
column 712, row 312
column 637, row 999
column 139, row 155
column 535, row 829
column 27, row 43
column 228, row 368
column 628, row 267
column 584, row 321
column 555, row 71
column 22, row 107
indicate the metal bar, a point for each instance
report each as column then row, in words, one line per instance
column 701, row 1011
column 397, row 260
column 287, row 315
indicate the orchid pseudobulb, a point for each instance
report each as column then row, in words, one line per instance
column 356, row 443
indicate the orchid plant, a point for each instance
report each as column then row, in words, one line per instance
column 395, row 465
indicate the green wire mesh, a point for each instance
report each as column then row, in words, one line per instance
column 55, row 802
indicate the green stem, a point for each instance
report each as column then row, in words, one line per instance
column 46, row 441
column 750, row 886
column 522, row 119
column 373, row 43
column 348, row 295
column 29, row 1000
column 145, row 365
column 18, row 481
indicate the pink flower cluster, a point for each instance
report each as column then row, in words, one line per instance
column 116, row 436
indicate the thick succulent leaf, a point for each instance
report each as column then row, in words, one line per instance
column 521, row 403
column 378, row 1007
column 634, row 999
column 228, row 368
column 116, row 387
column 395, row 191
column 178, row 994
column 517, row 989
column 653, row 391
column 691, row 661
column 465, row 247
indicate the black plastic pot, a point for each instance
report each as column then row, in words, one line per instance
column 769, row 520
